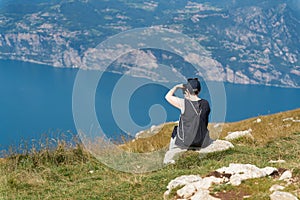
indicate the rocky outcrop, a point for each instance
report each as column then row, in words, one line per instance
column 239, row 134
column 192, row 187
column 286, row 175
column 241, row 172
column 217, row 145
column 278, row 195
column 149, row 132
column 53, row 49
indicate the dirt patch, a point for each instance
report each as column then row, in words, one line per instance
column 278, row 173
column 219, row 175
column 231, row 195
column 2, row 160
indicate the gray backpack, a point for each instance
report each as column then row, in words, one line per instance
column 192, row 128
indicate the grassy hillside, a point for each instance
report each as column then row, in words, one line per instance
column 69, row 172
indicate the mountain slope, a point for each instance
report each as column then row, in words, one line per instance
column 72, row 173
column 253, row 42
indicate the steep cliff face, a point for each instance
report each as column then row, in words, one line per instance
column 33, row 47
column 252, row 43
column 260, row 46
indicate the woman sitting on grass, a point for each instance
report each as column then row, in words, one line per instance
column 191, row 132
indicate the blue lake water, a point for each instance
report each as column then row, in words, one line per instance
column 36, row 100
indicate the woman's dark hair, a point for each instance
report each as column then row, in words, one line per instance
column 193, row 85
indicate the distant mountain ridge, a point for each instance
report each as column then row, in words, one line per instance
column 253, row 42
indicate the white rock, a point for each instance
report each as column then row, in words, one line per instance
column 286, row 175
column 206, row 182
column 258, row 120
column 187, row 191
column 277, row 161
column 203, row 194
column 195, row 187
column 269, row 170
column 236, row 179
column 193, row 184
column 291, row 119
column 278, row 195
column 242, row 172
column 217, row 145
column 239, row 169
column 276, row 187
column 288, row 119
column 238, row 134
column 183, row 180
column 149, row 132
column 217, row 125
column 166, row 194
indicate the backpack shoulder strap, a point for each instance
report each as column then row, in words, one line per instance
column 194, row 108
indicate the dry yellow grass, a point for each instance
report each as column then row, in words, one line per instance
column 71, row 172
column 156, row 142
column 270, row 127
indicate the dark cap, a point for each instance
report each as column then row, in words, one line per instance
column 193, row 85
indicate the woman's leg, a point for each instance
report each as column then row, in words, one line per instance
column 172, row 152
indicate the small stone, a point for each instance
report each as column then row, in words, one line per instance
column 269, row 170
column 206, row 182
column 278, row 195
column 217, row 145
column 194, row 187
column 276, row 188
column 187, row 191
column 286, row 175
column 238, row 134
column 242, row 172
column 203, row 194
column 288, row 119
column 258, row 120
column 166, row 194
column 234, row 168
column 183, row 180
column 277, row 161
column 236, row 180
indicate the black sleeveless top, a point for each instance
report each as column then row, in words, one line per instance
column 192, row 128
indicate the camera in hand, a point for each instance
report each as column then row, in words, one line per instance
column 192, row 85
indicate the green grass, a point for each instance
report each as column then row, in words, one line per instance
column 69, row 172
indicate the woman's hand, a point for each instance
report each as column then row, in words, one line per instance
column 179, row 86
